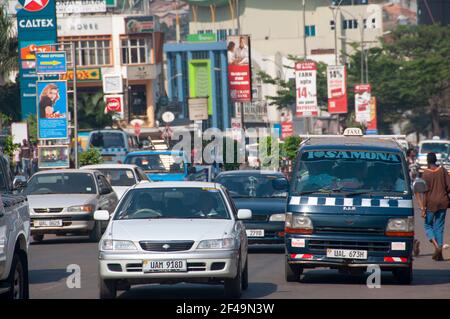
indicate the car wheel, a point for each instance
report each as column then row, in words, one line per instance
column 404, row 276
column 245, row 276
column 17, row 279
column 292, row 272
column 108, row 289
column 96, row 233
column 38, row 238
column 233, row 287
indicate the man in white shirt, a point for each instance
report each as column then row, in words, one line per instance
column 242, row 52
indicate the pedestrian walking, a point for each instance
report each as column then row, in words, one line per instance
column 26, row 154
column 435, row 203
column 16, row 160
column 34, row 163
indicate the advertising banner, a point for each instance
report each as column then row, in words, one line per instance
column 36, row 27
column 139, row 25
column 198, row 109
column 337, row 89
column 79, row 6
column 362, row 103
column 52, row 109
column 239, row 68
column 54, row 156
column 305, row 82
column 287, row 129
column 372, row 124
column 114, row 104
column 84, row 75
column 51, row 62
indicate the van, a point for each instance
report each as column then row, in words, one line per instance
column 114, row 145
column 350, row 206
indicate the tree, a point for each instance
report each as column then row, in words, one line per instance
column 8, row 43
column 91, row 157
column 91, row 111
column 290, row 147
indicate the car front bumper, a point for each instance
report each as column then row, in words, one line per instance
column 273, row 232
column 128, row 266
column 71, row 223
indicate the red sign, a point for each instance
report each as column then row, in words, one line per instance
column 306, row 89
column 337, row 89
column 287, row 129
column 35, row 5
column 362, row 103
column 372, row 124
column 29, row 52
column 239, row 68
column 114, row 104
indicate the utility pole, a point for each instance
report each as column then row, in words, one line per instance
column 75, row 104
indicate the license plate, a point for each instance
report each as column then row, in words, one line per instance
column 164, row 266
column 347, row 253
column 255, row 232
column 48, row 223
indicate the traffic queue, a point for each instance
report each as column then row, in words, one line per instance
column 347, row 204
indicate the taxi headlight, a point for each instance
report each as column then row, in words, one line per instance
column 225, row 243
column 109, row 244
column 298, row 221
column 278, row 217
column 400, row 226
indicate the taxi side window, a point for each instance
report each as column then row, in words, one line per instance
column 230, row 200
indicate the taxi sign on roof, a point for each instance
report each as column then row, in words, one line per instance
column 353, row 131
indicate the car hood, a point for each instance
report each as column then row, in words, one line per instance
column 262, row 206
column 170, row 229
column 165, row 177
column 120, row 190
column 60, row 200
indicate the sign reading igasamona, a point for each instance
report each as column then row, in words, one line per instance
column 373, row 156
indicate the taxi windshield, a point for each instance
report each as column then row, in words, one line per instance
column 435, row 148
column 350, row 172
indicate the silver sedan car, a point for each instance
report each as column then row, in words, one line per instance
column 169, row 232
column 64, row 202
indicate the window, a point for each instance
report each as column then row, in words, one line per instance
column 350, row 24
column 90, row 51
column 310, row 30
column 332, row 25
column 221, row 35
column 136, row 50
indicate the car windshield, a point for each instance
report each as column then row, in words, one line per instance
column 437, row 148
column 158, row 163
column 107, row 140
column 176, row 202
column 252, row 185
column 350, row 171
column 61, row 183
column 119, row 176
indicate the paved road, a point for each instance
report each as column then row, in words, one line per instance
column 49, row 261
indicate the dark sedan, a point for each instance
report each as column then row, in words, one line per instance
column 264, row 192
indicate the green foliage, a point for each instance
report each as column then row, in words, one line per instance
column 9, row 146
column 90, row 157
column 91, row 111
column 32, row 128
column 269, row 152
column 290, row 147
column 10, row 100
column 8, row 43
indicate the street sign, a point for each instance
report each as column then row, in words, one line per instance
column 306, row 89
column 51, row 63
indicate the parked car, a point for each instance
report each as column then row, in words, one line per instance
column 169, row 233
column 113, row 144
column 64, row 201
column 265, row 193
column 120, row 176
column 14, row 236
column 162, row 165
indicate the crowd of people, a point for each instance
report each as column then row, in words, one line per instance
column 25, row 159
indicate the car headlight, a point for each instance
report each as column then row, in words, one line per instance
column 278, row 217
column 81, row 208
column 298, row 224
column 109, row 244
column 225, row 243
column 400, row 227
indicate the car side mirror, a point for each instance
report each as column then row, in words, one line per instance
column 244, row 214
column 419, row 186
column 280, row 184
column 104, row 191
column 101, row 215
column 19, row 182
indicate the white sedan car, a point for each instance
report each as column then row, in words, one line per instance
column 120, row 176
column 174, row 232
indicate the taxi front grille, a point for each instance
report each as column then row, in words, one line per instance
column 259, row 218
column 166, row 246
column 47, row 210
column 348, row 230
column 322, row 245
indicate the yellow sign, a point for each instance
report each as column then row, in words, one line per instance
column 93, row 74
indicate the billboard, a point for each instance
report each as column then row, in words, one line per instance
column 306, row 89
column 372, row 125
column 287, row 129
column 239, row 68
column 52, row 109
column 337, row 89
column 36, row 26
column 362, row 103
column 53, row 156
column 114, row 104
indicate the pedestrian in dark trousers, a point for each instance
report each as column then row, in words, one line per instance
column 34, row 163
column 435, row 203
column 26, row 153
